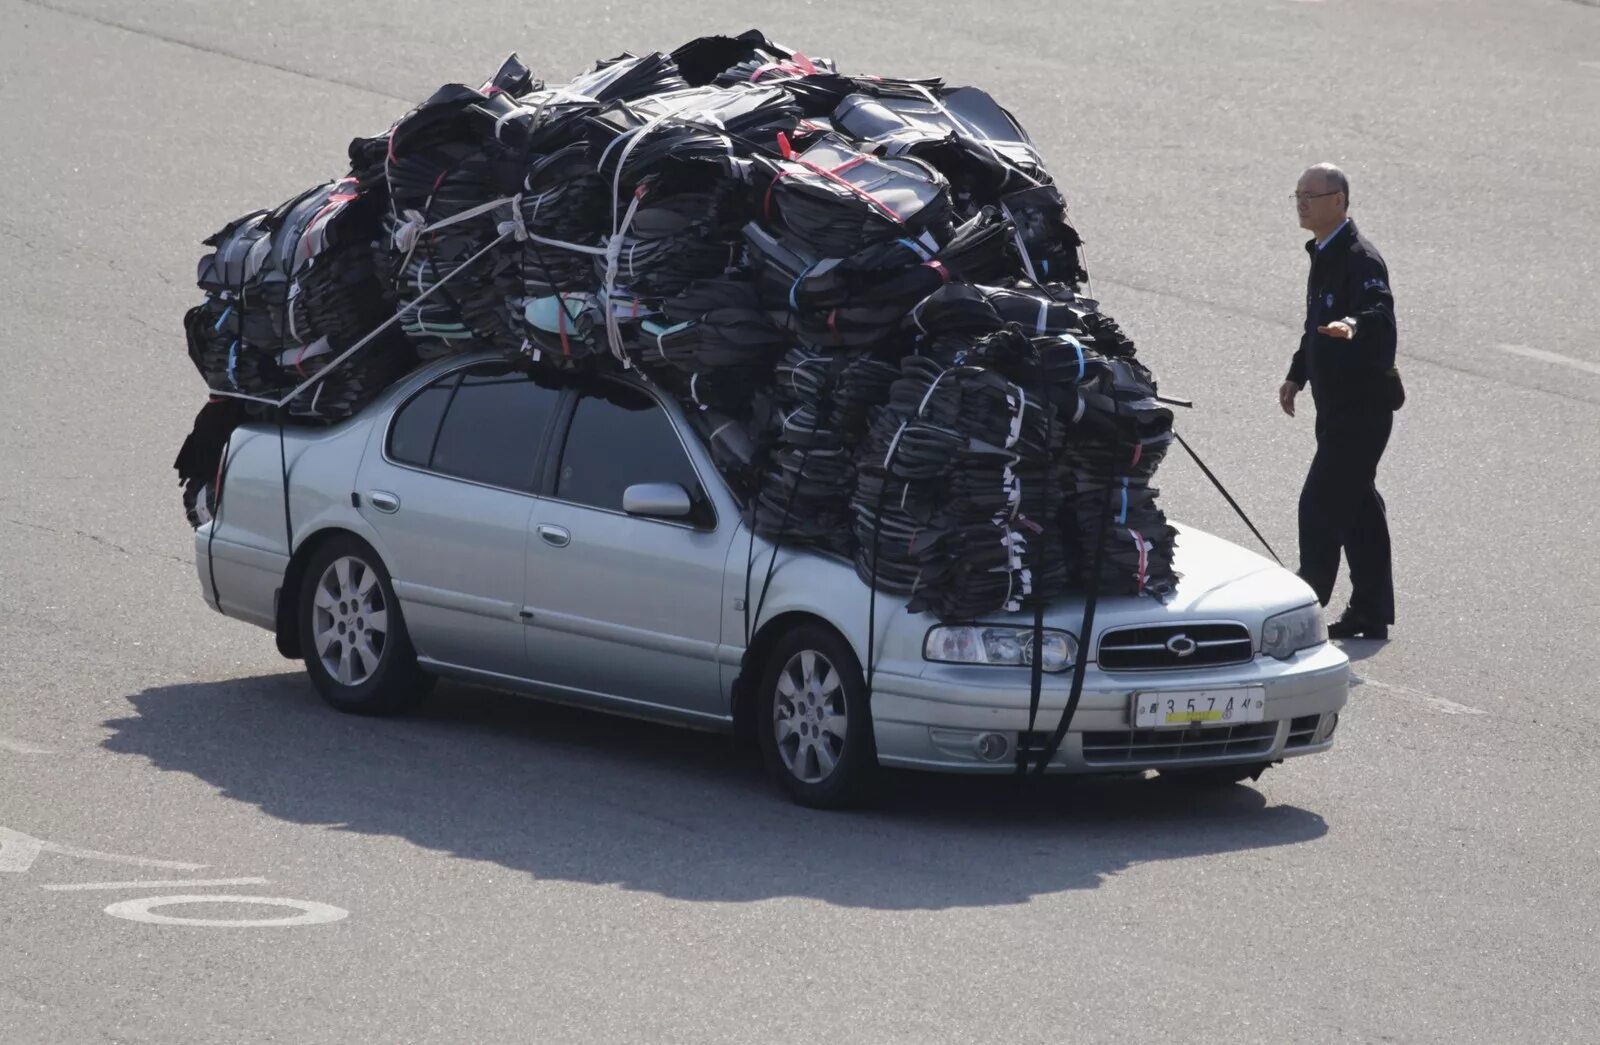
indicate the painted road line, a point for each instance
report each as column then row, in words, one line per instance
column 1546, row 356
column 18, row 852
column 1439, row 704
column 310, row 912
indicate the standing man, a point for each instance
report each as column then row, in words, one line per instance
column 1347, row 354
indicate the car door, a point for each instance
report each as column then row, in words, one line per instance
column 623, row 608
column 450, row 494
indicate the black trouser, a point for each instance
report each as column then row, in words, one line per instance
column 1340, row 508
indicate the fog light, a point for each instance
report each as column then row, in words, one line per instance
column 1329, row 724
column 992, row 747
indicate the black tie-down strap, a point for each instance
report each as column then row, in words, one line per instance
column 1227, row 496
column 1081, row 661
column 1035, row 684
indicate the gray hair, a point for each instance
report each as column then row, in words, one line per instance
column 1335, row 178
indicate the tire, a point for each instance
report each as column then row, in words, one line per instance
column 352, row 635
column 811, row 691
column 1214, row 776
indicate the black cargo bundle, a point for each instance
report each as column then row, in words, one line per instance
column 288, row 291
column 863, row 291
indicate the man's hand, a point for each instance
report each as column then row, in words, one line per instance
column 1286, row 393
column 1339, row 329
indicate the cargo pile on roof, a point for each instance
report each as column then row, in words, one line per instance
column 864, row 292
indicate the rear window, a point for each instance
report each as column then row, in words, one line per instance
column 415, row 426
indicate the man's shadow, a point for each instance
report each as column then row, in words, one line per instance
column 1361, row 649
column 571, row 795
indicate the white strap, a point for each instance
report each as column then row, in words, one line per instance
column 1020, row 403
column 929, row 394
column 380, row 328
column 410, row 231
column 512, row 113
column 294, row 292
column 894, row 444
column 576, row 248
column 613, row 256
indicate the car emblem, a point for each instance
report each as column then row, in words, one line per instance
column 1182, row 646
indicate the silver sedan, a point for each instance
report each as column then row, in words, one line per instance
column 569, row 538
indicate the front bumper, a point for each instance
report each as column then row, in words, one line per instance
column 934, row 720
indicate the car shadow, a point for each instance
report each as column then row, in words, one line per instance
column 565, row 794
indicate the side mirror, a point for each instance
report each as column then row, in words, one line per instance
column 661, row 500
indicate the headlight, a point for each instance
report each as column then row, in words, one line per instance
column 979, row 644
column 1286, row 634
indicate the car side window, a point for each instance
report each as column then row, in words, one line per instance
column 416, row 425
column 493, row 419
column 619, row 436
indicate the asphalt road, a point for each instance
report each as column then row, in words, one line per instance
column 495, row 870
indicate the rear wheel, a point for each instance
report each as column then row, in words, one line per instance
column 352, row 634
column 813, row 720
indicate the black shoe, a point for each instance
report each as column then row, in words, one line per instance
column 1354, row 626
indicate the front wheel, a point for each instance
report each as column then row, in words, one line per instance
column 813, row 720
column 356, row 648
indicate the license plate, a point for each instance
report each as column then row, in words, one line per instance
column 1203, row 707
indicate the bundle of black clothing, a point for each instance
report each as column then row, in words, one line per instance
column 864, row 292
column 956, row 505
column 287, row 292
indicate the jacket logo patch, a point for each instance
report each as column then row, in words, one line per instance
column 1375, row 284
column 1328, row 300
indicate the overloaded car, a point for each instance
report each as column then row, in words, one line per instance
column 567, row 537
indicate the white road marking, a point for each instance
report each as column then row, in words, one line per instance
column 311, row 913
column 1546, row 356
column 178, row 883
column 22, row 747
column 1439, row 704
column 18, row 852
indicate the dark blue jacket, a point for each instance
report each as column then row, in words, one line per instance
column 1348, row 282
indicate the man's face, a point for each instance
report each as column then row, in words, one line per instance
column 1318, row 205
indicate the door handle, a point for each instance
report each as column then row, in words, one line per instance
column 555, row 536
column 384, row 501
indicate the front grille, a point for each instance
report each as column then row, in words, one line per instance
column 1142, row 746
column 1150, row 648
column 1301, row 730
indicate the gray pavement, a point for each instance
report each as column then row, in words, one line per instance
column 507, row 871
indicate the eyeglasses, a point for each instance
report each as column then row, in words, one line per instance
column 1301, row 197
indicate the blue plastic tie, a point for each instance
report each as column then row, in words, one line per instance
column 795, row 287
